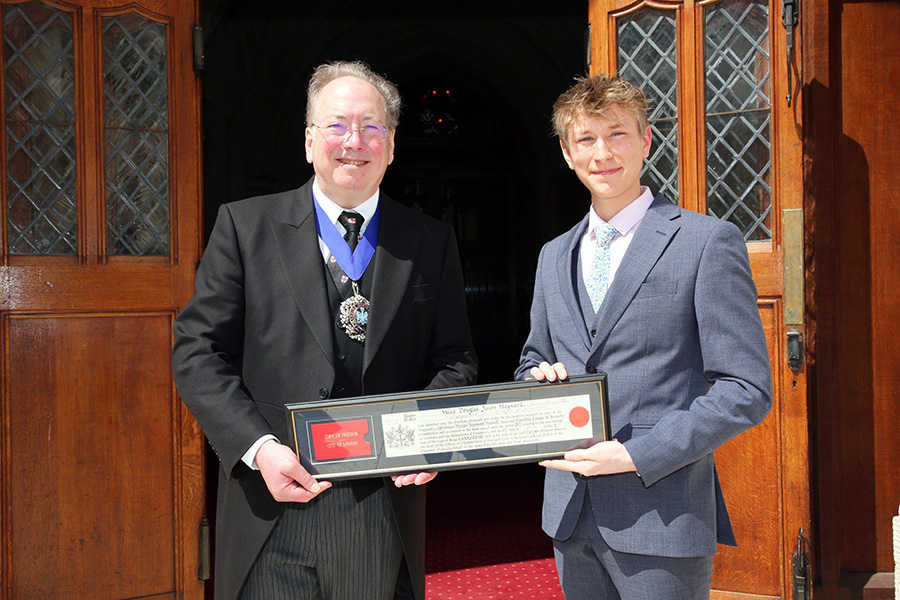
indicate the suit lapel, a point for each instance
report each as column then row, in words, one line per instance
column 398, row 242
column 649, row 242
column 297, row 246
column 566, row 270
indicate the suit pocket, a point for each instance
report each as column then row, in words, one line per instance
column 631, row 430
column 654, row 288
column 421, row 292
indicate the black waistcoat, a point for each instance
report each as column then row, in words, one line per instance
column 348, row 356
column 348, row 360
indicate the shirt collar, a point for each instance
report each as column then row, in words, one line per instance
column 626, row 219
column 366, row 209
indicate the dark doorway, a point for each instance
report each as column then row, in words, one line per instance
column 474, row 148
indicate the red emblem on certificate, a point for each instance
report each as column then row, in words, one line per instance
column 452, row 428
column 336, row 440
column 579, row 416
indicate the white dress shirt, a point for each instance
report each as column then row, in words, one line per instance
column 366, row 209
column 329, row 207
column 625, row 222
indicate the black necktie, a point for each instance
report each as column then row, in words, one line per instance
column 352, row 222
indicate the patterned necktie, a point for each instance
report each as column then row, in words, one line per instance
column 352, row 222
column 598, row 279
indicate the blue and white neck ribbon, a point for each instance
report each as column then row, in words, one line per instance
column 354, row 310
column 353, row 263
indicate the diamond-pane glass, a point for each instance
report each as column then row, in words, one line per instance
column 647, row 58
column 137, row 138
column 738, row 149
column 40, row 129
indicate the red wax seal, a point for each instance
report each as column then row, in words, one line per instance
column 579, row 416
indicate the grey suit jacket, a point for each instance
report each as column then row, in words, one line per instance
column 680, row 337
column 258, row 334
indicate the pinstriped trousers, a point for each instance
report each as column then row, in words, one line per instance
column 341, row 546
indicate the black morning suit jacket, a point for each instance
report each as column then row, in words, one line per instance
column 258, row 334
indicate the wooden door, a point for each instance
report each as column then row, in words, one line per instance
column 101, row 464
column 726, row 142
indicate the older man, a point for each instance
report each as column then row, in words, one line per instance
column 332, row 290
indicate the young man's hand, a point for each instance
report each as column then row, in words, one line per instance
column 604, row 458
column 549, row 372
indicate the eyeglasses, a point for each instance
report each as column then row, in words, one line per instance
column 372, row 131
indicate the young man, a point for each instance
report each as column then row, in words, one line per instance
column 269, row 325
column 662, row 300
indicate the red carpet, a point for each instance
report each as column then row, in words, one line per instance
column 532, row 580
column 484, row 538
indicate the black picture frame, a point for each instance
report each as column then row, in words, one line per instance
column 454, row 428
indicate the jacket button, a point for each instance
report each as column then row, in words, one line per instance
column 592, row 370
column 341, row 357
column 323, row 393
column 593, row 332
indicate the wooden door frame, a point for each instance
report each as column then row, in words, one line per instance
column 767, row 258
column 830, row 85
column 39, row 287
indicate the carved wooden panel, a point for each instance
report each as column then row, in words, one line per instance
column 91, row 492
column 750, row 478
column 101, row 471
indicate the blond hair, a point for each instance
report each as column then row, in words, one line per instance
column 594, row 96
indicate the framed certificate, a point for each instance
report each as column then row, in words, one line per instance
column 453, row 428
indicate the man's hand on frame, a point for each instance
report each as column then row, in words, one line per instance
column 285, row 477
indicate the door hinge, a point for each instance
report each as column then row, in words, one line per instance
column 795, row 350
column 790, row 16
column 199, row 58
column 587, row 50
column 205, row 568
column 800, row 569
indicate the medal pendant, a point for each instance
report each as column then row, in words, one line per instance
column 355, row 315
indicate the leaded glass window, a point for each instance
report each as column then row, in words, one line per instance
column 137, row 140
column 647, row 58
column 738, row 146
column 39, row 84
